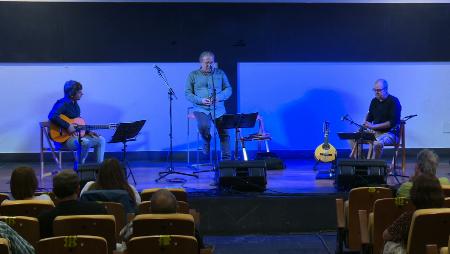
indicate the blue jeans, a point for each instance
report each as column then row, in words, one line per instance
column 98, row 143
column 204, row 125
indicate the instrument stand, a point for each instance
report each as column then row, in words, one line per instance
column 127, row 132
column 325, row 174
column 170, row 169
column 79, row 149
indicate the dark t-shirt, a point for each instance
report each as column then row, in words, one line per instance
column 72, row 207
column 383, row 111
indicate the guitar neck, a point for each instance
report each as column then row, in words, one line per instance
column 93, row 127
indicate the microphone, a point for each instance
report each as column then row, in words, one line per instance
column 344, row 117
column 410, row 116
column 157, row 68
column 211, row 67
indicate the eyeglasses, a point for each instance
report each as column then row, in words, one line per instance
column 377, row 90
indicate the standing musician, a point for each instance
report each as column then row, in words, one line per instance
column 383, row 119
column 68, row 106
column 199, row 90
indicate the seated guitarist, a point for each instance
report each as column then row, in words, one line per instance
column 69, row 107
column 383, row 118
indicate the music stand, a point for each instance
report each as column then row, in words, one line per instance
column 127, row 132
column 361, row 137
column 238, row 121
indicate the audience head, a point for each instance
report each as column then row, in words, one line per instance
column 66, row 183
column 427, row 162
column 111, row 176
column 426, row 192
column 23, row 183
column 163, row 201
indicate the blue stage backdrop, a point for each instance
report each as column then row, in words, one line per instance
column 294, row 99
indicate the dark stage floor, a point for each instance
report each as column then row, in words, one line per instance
column 298, row 177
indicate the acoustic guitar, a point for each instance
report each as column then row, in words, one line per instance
column 325, row 152
column 60, row 135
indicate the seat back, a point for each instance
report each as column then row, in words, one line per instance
column 179, row 193
column 144, row 207
column 446, row 190
column 447, row 202
column 3, row 196
column 159, row 244
column 428, row 226
column 97, row 225
column 27, row 227
column 74, row 244
column 385, row 212
column 31, row 208
column 4, row 246
column 120, row 216
column 361, row 198
column 118, row 196
column 163, row 224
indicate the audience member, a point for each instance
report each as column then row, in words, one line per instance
column 111, row 176
column 23, row 185
column 66, row 186
column 426, row 192
column 427, row 163
column 17, row 244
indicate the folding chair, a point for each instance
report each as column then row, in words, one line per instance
column 27, row 227
column 428, row 226
column 55, row 151
column 179, row 193
column 31, row 208
column 73, row 244
column 97, row 225
column 163, row 244
column 163, row 224
column 348, row 230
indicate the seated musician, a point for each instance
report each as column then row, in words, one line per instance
column 383, row 119
column 68, row 106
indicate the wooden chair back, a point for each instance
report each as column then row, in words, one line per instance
column 361, row 198
column 385, row 212
column 118, row 211
column 97, row 225
column 428, row 226
column 179, row 193
column 446, row 190
column 27, row 227
column 4, row 246
column 163, row 244
column 163, row 224
column 73, row 244
column 144, row 207
column 31, row 208
column 3, row 196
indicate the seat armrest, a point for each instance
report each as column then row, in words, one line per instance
column 340, row 213
column 363, row 227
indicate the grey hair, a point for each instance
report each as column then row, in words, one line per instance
column 205, row 53
column 427, row 161
column 383, row 82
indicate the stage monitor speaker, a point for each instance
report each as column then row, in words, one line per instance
column 359, row 173
column 87, row 172
column 243, row 175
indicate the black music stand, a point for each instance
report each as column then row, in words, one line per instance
column 127, row 132
column 361, row 137
column 238, row 121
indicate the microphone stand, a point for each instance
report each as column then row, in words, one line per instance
column 170, row 169
column 215, row 157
